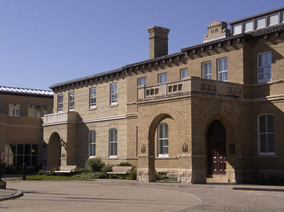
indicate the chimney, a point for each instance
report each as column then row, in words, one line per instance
column 158, row 41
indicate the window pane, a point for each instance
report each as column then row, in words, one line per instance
column 270, row 123
column 161, row 147
column 162, row 78
column 271, row 143
column 260, row 23
column 34, row 149
column 27, row 160
column 142, row 81
column 20, row 149
column 183, row 73
column 273, row 19
column 27, row 149
column 166, row 130
column 248, row 26
column 262, row 143
column 262, row 127
column 237, row 29
column 34, row 160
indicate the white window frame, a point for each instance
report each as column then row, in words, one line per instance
column 93, row 97
column 162, row 78
column 71, row 100
column 266, row 134
column 206, row 73
column 257, row 23
column 92, row 144
column 267, row 67
column 238, row 28
column 59, row 103
column 183, row 73
column 141, row 81
column 15, row 109
column 113, row 143
column 245, row 26
column 269, row 19
column 163, row 140
column 222, row 68
column 113, row 93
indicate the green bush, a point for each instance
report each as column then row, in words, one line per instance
column 81, row 170
column 132, row 175
column 106, row 168
column 124, row 164
column 95, row 164
column 165, row 177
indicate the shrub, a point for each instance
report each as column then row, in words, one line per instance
column 81, row 170
column 124, row 164
column 106, row 168
column 95, row 164
column 132, row 175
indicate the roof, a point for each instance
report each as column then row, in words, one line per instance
column 26, row 91
column 87, row 78
column 258, row 15
column 178, row 55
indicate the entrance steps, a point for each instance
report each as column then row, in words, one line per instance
column 217, row 179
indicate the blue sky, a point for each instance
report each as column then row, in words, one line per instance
column 43, row 42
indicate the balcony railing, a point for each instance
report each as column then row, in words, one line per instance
column 190, row 85
column 60, row 118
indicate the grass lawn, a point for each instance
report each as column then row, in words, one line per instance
column 48, row 178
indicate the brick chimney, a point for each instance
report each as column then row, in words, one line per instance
column 158, row 41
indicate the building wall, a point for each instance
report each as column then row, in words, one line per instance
column 16, row 130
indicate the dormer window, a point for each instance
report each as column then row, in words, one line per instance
column 260, row 22
column 237, row 29
column 248, row 26
column 273, row 19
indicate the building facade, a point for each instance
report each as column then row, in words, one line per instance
column 21, row 125
column 212, row 111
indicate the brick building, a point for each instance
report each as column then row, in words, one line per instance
column 21, row 132
column 212, row 111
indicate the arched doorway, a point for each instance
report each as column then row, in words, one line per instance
column 216, row 149
column 54, row 151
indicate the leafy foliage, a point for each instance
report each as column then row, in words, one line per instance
column 95, row 164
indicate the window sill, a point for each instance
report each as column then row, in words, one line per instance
column 93, row 108
column 113, row 157
column 265, row 81
column 71, row 109
column 266, row 154
column 90, row 157
column 163, row 156
column 113, row 104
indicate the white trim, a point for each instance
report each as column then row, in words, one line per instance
column 109, row 118
column 264, row 80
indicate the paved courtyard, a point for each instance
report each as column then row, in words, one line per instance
column 123, row 195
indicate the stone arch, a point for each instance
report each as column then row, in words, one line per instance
column 229, row 123
column 151, row 144
column 54, row 151
column 216, row 148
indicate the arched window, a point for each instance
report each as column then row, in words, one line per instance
column 266, row 134
column 163, row 139
column 92, row 143
column 113, row 142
